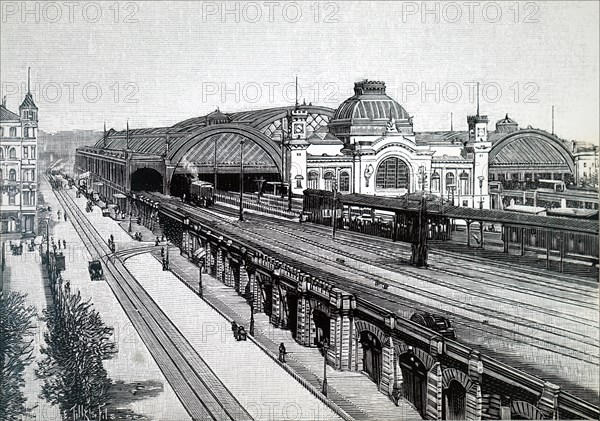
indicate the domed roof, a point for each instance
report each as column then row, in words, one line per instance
column 506, row 125
column 370, row 102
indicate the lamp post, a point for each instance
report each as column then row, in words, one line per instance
column 252, row 316
column 334, row 208
column 241, row 180
column 480, row 178
column 200, row 267
column 325, row 349
column 166, row 261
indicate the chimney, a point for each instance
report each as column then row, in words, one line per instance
column 4, row 101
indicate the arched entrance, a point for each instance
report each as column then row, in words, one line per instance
column 146, row 179
column 392, row 173
column 414, row 381
column 292, row 313
column 322, row 327
column 372, row 359
column 454, row 401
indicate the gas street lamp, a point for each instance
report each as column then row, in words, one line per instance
column 241, row 180
column 480, row 178
column 325, row 349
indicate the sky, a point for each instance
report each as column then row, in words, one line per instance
column 157, row 63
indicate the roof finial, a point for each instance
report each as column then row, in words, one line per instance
column 29, row 80
column 451, row 122
column 477, row 98
column 127, row 133
column 296, row 91
column 4, row 101
column 553, row 120
column 104, row 134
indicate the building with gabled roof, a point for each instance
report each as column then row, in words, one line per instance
column 18, row 168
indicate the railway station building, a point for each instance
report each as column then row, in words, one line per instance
column 18, row 168
column 367, row 145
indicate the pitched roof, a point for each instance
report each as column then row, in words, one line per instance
column 28, row 102
column 7, row 115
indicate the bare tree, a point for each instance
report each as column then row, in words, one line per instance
column 16, row 352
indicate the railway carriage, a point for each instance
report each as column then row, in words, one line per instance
column 201, row 193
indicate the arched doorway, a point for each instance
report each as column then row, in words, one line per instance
column 372, row 358
column 414, row 381
column 455, row 397
column 292, row 312
column 146, row 179
column 322, row 327
column 392, row 173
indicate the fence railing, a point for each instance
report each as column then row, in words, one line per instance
column 266, row 204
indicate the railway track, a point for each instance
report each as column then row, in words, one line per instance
column 474, row 323
column 392, row 299
column 201, row 392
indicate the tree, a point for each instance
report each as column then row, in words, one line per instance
column 77, row 343
column 16, row 352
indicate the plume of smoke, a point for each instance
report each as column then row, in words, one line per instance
column 190, row 168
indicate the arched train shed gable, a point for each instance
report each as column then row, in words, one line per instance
column 194, row 143
column 530, row 149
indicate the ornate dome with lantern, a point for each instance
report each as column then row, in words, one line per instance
column 370, row 111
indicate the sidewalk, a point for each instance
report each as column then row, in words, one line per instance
column 351, row 391
column 143, row 391
column 265, row 390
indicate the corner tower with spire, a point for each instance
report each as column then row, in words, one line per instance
column 18, row 169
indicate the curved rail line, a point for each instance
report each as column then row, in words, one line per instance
column 201, row 392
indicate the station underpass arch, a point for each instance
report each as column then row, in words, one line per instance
column 322, row 326
column 414, row 380
column 372, row 359
column 454, row 405
column 146, row 179
column 292, row 312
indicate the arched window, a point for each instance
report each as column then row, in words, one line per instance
column 449, row 179
column 464, row 183
column 392, row 174
column 13, row 132
column 344, row 181
column 328, row 177
column 435, row 182
column 299, row 179
column 313, row 180
column 12, row 153
column 1, row 152
column 12, row 175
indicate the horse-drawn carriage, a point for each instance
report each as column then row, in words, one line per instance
column 96, row 271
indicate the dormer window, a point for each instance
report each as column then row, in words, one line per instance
column 26, row 131
column 13, row 132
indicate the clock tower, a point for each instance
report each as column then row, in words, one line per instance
column 297, row 146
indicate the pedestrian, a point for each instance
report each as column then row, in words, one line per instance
column 234, row 329
column 64, row 244
column 162, row 238
column 65, row 216
column 59, row 244
column 58, row 213
column 112, row 238
column 241, row 333
column 162, row 251
column 282, row 352
column 156, row 242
